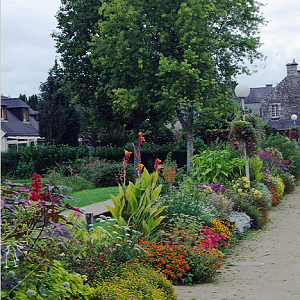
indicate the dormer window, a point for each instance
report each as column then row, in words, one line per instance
column 25, row 115
column 3, row 113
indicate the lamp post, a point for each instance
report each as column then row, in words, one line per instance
column 242, row 91
column 294, row 118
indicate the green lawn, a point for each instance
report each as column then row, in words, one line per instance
column 88, row 197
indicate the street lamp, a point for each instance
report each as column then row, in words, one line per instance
column 242, row 91
column 294, row 118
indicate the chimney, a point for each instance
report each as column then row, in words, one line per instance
column 291, row 68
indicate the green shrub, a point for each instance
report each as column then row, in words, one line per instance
column 75, row 183
column 9, row 163
column 288, row 181
column 189, row 200
column 256, row 207
column 104, row 173
column 215, row 166
column 289, row 150
column 134, row 281
column 278, row 183
column 45, row 284
column 264, row 190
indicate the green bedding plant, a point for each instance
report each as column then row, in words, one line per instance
column 132, row 280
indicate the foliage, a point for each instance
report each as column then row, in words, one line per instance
column 73, row 183
column 136, row 205
column 31, row 101
column 168, row 162
column 49, row 283
column 295, row 132
column 214, row 166
column 189, row 200
column 255, row 206
column 241, row 221
column 32, row 226
column 289, row 150
column 135, row 66
column 134, row 281
column 58, row 119
column 72, row 42
column 263, row 189
column 278, row 182
column 94, row 251
column 103, row 173
column 288, row 181
column 217, row 198
column 41, row 158
column 9, row 162
column 273, row 160
column 255, row 165
column 243, row 131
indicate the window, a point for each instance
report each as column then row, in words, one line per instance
column 275, row 111
column 25, row 115
column 3, row 113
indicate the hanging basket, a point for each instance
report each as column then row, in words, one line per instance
column 170, row 174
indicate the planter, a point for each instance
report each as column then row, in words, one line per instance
column 169, row 174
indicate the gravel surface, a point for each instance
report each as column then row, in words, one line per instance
column 265, row 266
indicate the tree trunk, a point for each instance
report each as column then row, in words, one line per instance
column 189, row 150
column 187, row 125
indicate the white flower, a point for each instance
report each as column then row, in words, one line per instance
column 66, row 284
column 30, row 292
column 118, row 245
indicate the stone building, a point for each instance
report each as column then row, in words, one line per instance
column 275, row 105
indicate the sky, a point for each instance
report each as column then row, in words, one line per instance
column 28, row 50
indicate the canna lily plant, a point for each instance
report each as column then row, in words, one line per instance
column 136, row 205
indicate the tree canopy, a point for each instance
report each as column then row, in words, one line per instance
column 58, row 120
column 160, row 59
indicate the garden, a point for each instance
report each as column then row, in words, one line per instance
column 158, row 233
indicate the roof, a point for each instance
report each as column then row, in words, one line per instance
column 11, row 103
column 257, row 94
column 283, row 124
column 13, row 126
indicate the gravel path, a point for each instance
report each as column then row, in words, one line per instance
column 266, row 266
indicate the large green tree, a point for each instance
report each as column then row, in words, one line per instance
column 176, row 57
column 158, row 59
column 58, row 119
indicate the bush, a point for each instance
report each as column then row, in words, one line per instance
column 288, row 181
column 74, row 183
column 50, row 283
column 134, row 281
column 289, row 150
column 9, row 163
column 189, row 200
column 263, row 189
column 255, row 206
column 104, row 173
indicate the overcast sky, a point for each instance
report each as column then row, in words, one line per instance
column 28, row 52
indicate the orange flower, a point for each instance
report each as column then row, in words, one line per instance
column 141, row 138
column 140, row 167
column 236, row 142
column 156, row 165
column 127, row 153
